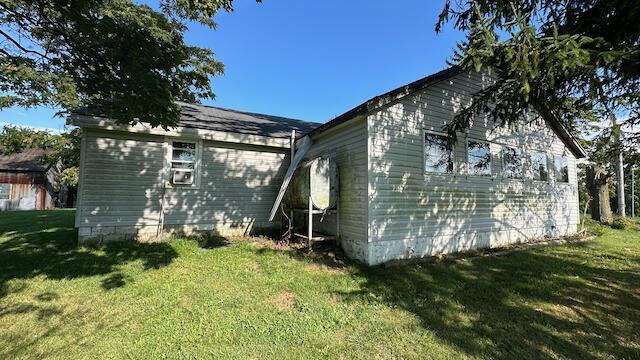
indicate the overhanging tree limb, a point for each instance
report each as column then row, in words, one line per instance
column 117, row 58
column 17, row 44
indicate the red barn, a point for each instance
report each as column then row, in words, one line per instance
column 26, row 181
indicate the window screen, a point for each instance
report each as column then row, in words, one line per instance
column 183, row 163
column 562, row 169
column 479, row 158
column 511, row 162
column 5, row 191
column 539, row 166
column 438, row 157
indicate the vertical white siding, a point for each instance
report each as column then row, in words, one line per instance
column 122, row 189
column 414, row 214
column 347, row 144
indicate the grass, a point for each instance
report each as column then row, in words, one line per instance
column 243, row 299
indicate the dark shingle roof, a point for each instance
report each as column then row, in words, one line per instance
column 28, row 160
column 219, row 119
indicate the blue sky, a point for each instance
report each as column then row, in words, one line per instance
column 309, row 59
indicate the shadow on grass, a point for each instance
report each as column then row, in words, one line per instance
column 326, row 254
column 47, row 246
column 209, row 242
column 543, row 304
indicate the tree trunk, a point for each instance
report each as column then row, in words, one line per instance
column 598, row 187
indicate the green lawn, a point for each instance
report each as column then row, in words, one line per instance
column 245, row 299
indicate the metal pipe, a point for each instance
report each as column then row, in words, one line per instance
column 310, row 229
column 292, row 145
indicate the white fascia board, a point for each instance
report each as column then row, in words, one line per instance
column 93, row 122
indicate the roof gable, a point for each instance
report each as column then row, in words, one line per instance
column 394, row 95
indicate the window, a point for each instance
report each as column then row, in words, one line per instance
column 438, row 157
column 562, row 169
column 539, row 166
column 479, row 158
column 183, row 163
column 5, row 190
column 511, row 162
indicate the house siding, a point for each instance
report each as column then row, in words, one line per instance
column 347, row 144
column 413, row 214
column 121, row 194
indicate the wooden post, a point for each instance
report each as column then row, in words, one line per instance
column 310, row 225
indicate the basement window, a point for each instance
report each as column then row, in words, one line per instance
column 184, row 162
column 539, row 166
column 479, row 158
column 511, row 162
column 5, row 191
column 438, row 156
column 562, row 169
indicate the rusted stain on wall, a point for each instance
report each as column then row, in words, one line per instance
column 28, row 191
column 22, row 178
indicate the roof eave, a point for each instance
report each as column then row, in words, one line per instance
column 387, row 98
column 572, row 143
column 91, row 122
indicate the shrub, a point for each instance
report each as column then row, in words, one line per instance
column 598, row 230
column 622, row 223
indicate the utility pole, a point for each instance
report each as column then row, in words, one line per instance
column 620, row 188
column 633, row 190
column 619, row 163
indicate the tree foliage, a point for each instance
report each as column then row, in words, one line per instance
column 14, row 139
column 573, row 60
column 65, row 148
column 114, row 58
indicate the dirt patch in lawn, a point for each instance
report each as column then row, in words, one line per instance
column 323, row 255
column 284, row 301
column 333, row 261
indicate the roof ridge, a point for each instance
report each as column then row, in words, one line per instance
column 249, row 112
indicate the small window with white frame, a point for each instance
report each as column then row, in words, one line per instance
column 539, row 166
column 184, row 155
column 561, row 169
column 438, row 154
column 5, row 191
column 511, row 162
column 478, row 158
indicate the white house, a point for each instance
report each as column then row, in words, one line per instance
column 402, row 192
